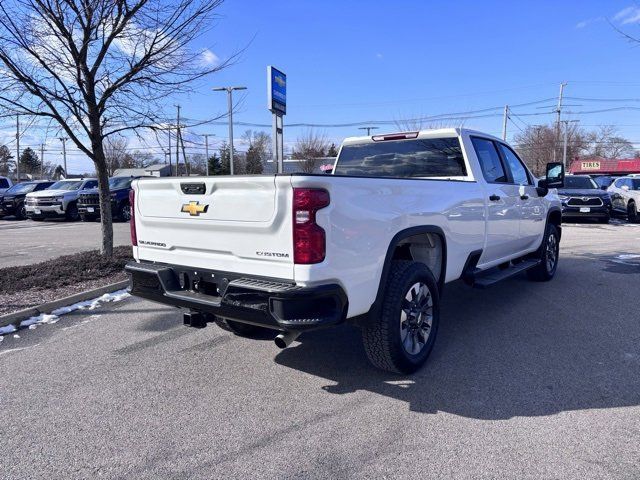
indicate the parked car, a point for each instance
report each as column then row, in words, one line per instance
column 625, row 197
column 373, row 243
column 5, row 184
column 581, row 198
column 59, row 200
column 89, row 200
column 13, row 200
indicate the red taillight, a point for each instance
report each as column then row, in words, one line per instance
column 132, row 222
column 308, row 236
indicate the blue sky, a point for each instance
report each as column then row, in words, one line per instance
column 359, row 61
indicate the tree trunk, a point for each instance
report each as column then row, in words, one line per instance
column 106, row 222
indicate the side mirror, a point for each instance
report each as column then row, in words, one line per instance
column 603, row 187
column 554, row 178
column 555, row 175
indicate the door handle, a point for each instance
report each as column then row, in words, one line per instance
column 494, row 197
column 524, row 197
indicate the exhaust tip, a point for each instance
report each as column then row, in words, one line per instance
column 283, row 340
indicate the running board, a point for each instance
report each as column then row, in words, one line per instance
column 493, row 276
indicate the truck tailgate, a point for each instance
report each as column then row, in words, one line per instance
column 236, row 224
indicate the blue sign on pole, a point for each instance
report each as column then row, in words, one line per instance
column 277, row 90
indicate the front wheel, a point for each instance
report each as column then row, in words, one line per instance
column 72, row 212
column 632, row 213
column 549, row 255
column 21, row 212
column 401, row 338
column 124, row 212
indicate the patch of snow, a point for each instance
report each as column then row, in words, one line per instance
column 33, row 327
column 7, row 329
column 16, row 336
column 53, row 317
column 627, row 256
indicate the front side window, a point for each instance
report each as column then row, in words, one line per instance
column 4, row 183
column 490, row 162
column 90, row 184
column 421, row 158
column 634, row 184
column 518, row 171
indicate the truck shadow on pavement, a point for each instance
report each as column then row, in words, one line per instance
column 517, row 349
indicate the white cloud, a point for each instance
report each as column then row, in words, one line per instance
column 378, row 55
column 582, row 24
column 209, row 58
column 628, row 15
column 588, row 21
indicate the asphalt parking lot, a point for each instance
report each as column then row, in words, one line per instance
column 527, row 380
column 24, row 242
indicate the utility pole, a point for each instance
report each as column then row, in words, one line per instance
column 17, row 148
column 229, row 91
column 187, row 168
column 505, row 117
column 177, row 140
column 558, row 113
column 41, row 161
column 64, row 154
column 206, row 148
column 566, row 140
column 169, row 153
column 368, row 129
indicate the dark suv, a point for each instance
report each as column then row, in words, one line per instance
column 582, row 198
column 89, row 201
column 13, row 198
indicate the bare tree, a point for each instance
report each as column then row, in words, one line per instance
column 115, row 150
column 536, row 144
column 100, row 67
column 606, row 142
column 310, row 147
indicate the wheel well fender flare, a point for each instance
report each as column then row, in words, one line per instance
column 397, row 238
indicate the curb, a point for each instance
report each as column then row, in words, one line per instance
column 48, row 307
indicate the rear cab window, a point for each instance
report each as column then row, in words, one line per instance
column 437, row 158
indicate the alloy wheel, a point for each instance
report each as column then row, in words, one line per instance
column 416, row 318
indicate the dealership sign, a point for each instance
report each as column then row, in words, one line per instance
column 276, row 91
column 590, row 165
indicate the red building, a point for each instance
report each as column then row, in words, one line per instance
column 601, row 166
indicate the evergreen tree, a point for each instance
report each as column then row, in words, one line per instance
column 333, row 151
column 225, row 156
column 6, row 165
column 215, row 166
column 253, row 163
column 29, row 161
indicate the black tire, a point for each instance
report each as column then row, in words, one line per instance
column 85, row 218
column 249, row 331
column 632, row 214
column 604, row 219
column 383, row 336
column 124, row 212
column 71, row 214
column 21, row 212
column 549, row 255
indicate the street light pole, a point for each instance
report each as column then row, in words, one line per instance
column 229, row 91
column 64, row 154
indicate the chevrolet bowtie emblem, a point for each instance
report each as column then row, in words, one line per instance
column 194, row 208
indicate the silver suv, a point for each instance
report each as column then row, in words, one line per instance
column 59, row 200
column 625, row 197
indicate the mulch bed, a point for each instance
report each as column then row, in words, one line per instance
column 30, row 285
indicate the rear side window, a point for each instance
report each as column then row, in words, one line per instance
column 4, row 183
column 433, row 157
column 490, row 162
column 518, row 172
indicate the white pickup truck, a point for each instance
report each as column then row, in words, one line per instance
column 372, row 243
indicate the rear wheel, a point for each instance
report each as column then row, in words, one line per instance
column 604, row 219
column 401, row 338
column 549, row 255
